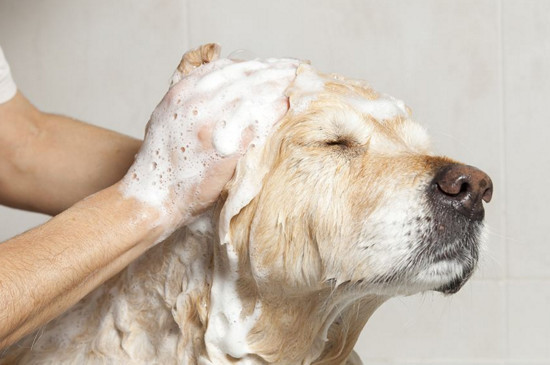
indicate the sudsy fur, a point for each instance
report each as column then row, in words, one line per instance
column 335, row 230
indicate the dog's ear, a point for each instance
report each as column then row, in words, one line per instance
column 195, row 58
column 243, row 187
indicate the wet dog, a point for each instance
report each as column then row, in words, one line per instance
column 345, row 207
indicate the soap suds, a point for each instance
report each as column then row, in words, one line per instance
column 309, row 84
column 384, row 108
column 305, row 88
column 225, row 96
column 228, row 329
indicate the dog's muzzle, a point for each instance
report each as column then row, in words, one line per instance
column 456, row 195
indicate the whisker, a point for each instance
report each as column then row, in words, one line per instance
column 505, row 237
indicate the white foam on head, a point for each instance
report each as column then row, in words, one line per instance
column 225, row 96
column 384, row 108
column 305, row 89
column 309, row 84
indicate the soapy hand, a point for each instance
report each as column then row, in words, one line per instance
column 200, row 129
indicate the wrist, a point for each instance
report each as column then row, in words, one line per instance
column 110, row 207
column 160, row 210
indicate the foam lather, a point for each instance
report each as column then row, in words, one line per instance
column 225, row 97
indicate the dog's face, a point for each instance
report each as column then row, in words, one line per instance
column 353, row 200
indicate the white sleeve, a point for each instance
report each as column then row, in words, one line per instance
column 7, row 86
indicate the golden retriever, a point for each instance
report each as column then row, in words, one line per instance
column 349, row 208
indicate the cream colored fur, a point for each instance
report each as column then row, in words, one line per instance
column 339, row 191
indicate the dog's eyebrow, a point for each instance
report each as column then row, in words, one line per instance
column 388, row 129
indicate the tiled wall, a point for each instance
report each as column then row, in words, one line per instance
column 475, row 72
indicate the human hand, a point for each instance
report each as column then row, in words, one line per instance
column 200, row 129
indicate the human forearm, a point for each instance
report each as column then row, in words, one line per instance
column 48, row 162
column 184, row 163
column 73, row 253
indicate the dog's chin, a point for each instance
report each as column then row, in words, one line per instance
column 450, row 276
column 445, row 276
column 453, row 287
column 456, row 283
column 450, row 257
column 460, row 268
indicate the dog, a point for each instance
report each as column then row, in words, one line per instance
column 348, row 207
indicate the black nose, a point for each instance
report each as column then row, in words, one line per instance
column 463, row 188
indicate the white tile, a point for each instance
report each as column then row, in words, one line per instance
column 14, row 222
column 467, row 326
column 529, row 319
column 266, row 28
column 105, row 62
column 527, row 93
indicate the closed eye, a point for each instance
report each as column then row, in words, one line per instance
column 341, row 142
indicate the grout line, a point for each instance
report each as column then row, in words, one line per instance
column 503, row 174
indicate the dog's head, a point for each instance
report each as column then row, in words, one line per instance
column 347, row 192
column 338, row 206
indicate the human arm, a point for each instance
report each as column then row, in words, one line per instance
column 52, row 162
column 53, row 266
column 45, row 271
column 48, row 162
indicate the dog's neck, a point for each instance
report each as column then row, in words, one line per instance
column 258, row 325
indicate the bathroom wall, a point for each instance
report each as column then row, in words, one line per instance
column 476, row 73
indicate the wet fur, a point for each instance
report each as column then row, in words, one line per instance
column 320, row 248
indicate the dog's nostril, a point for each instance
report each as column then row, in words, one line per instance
column 454, row 188
column 488, row 190
column 458, row 188
column 463, row 188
